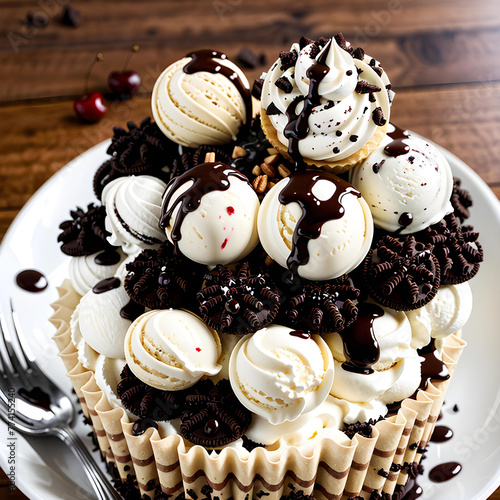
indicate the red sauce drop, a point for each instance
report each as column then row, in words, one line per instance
column 230, row 210
column 198, row 349
column 224, row 243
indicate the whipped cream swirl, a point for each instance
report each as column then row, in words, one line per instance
column 342, row 122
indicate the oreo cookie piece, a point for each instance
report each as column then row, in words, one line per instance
column 84, row 233
column 213, row 416
column 402, row 274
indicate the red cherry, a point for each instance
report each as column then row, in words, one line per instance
column 124, row 83
column 90, row 107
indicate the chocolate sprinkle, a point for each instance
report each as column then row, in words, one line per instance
column 213, row 416
column 85, row 232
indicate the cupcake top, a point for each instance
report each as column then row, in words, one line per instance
column 325, row 99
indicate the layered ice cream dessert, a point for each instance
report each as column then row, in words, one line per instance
column 267, row 304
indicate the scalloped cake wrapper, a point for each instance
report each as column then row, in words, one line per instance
column 335, row 167
column 329, row 470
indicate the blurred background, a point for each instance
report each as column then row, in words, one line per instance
column 442, row 59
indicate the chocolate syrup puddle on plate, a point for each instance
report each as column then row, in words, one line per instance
column 298, row 127
column 413, row 490
column 360, row 343
column 31, row 280
column 441, row 434
column 445, row 472
column 206, row 178
column 315, row 212
column 36, row 397
column 213, row 61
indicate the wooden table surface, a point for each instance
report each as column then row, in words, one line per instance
column 442, row 57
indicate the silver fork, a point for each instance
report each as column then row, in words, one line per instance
column 41, row 408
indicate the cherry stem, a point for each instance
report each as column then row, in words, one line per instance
column 133, row 50
column 98, row 58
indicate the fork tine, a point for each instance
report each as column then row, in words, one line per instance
column 10, row 359
column 26, row 351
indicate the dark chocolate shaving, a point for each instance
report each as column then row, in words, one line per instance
column 304, row 41
column 284, row 84
column 146, row 401
column 461, row 200
column 288, row 59
column 321, row 307
column 85, row 232
column 160, row 279
column 142, row 150
column 364, row 87
column 401, row 273
column 297, row 495
column 456, row 247
column 272, row 109
column 238, row 302
column 358, row 53
column 378, row 117
column 213, row 416
column 257, row 88
column 249, row 59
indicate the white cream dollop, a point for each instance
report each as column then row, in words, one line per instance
column 172, row 349
column 342, row 123
column 133, row 208
column 343, row 241
column 199, row 108
column 396, row 374
column 100, row 321
column 419, row 183
column 279, row 375
column 85, row 272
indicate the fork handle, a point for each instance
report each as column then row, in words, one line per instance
column 100, row 482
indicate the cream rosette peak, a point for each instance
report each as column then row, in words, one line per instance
column 172, row 349
column 280, row 374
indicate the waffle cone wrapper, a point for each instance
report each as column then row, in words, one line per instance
column 335, row 167
column 325, row 468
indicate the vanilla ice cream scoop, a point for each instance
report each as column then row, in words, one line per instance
column 280, row 374
column 315, row 224
column 86, row 271
column 210, row 214
column 133, row 206
column 374, row 358
column 406, row 182
column 103, row 317
column 172, row 349
column 203, row 98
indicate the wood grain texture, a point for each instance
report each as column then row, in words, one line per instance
column 442, row 58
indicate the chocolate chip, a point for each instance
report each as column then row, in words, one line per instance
column 364, row 87
column 288, row 59
column 359, row 53
column 376, row 166
column 336, row 150
column 338, row 133
column 353, row 138
column 304, row 41
column 314, row 51
column 372, row 97
column 284, row 84
column 348, row 73
column 257, row 88
column 71, row 16
column 273, row 110
column 249, row 59
column 329, row 104
column 378, row 117
column 322, row 41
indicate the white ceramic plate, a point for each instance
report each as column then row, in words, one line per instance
column 52, row 474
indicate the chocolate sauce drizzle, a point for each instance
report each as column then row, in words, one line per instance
column 432, row 368
column 36, row 397
column 441, row 434
column 298, row 127
column 106, row 285
column 444, row 472
column 108, row 257
column 206, row 178
column 315, row 212
column 31, row 280
column 397, row 147
column 360, row 343
column 300, row 334
column 214, row 61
